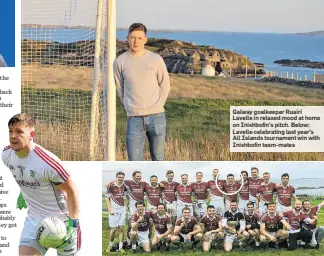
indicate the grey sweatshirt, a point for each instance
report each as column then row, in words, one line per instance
column 2, row 62
column 142, row 83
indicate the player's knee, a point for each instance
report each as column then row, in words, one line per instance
column 198, row 236
column 205, row 249
column 174, row 238
column 206, row 238
column 263, row 239
column 221, row 235
column 133, row 234
column 121, row 229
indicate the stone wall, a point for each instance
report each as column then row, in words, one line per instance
column 309, row 84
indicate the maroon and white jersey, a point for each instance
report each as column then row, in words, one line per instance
column 210, row 224
column 161, row 223
column 295, row 220
column 231, row 188
column 38, row 175
column 153, row 194
column 271, row 223
column 253, row 218
column 189, row 225
column 284, row 195
column 184, row 194
column 144, row 223
column 311, row 214
column 135, row 190
column 244, row 192
column 169, row 190
column 200, row 190
column 214, row 191
column 265, row 192
column 116, row 194
column 253, row 185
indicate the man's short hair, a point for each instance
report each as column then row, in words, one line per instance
column 245, row 173
column 184, row 175
column 272, row 203
column 285, row 175
column 210, row 207
column 169, row 172
column 135, row 172
column 137, row 27
column 266, row 173
column 199, row 172
column 161, row 204
column 120, row 173
column 306, row 200
column 254, row 168
column 139, row 203
column 230, row 175
column 250, row 203
column 185, row 209
column 234, row 201
column 22, row 118
column 153, row 176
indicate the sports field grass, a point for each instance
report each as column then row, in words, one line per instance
column 188, row 251
column 197, row 113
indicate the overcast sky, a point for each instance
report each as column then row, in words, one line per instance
column 295, row 169
column 214, row 15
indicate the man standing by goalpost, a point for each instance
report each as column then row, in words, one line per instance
column 143, row 85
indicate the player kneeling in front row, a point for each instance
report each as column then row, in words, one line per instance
column 140, row 222
column 45, row 184
column 269, row 230
column 212, row 229
column 234, row 227
column 296, row 219
column 252, row 219
column 162, row 225
column 187, row 229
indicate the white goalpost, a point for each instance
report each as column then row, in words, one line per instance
column 68, row 49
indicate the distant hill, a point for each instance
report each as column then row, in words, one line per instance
column 313, row 33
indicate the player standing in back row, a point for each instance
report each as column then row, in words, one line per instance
column 44, row 183
column 143, row 85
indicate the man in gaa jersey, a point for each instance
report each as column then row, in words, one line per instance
column 254, row 183
column 212, row 224
column 184, row 193
column 244, row 192
column 162, row 225
column 296, row 219
column 269, row 227
column 265, row 193
column 168, row 194
column 215, row 192
column 234, row 226
column 252, row 219
column 200, row 192
column 187, row 229
column 140, row 222
column 318, row 231
column 285, row 194
column 117, row 212
column 45, row 184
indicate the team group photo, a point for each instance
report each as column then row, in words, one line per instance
column 209, row 210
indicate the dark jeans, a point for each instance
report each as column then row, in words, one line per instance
column 138, row 128
column 304, row 235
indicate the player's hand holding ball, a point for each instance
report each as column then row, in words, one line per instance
column 71, row 233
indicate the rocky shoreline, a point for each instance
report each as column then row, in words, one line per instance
column 300, row 63
column 179, row 56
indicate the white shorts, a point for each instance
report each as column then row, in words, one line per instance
column 184, row 237
column 262, row 208
column 230, row 238
column 118, row 219
column 181, row 206
column 200, row 208
column 143, row 237
column 281, row 208
column 151, row 207
column 212, row 237
column 227, row 205
column 252, row 199
column 131, row 207
column 218, row 204
column 28, row 238
column 171, row 209
column 242, row 206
